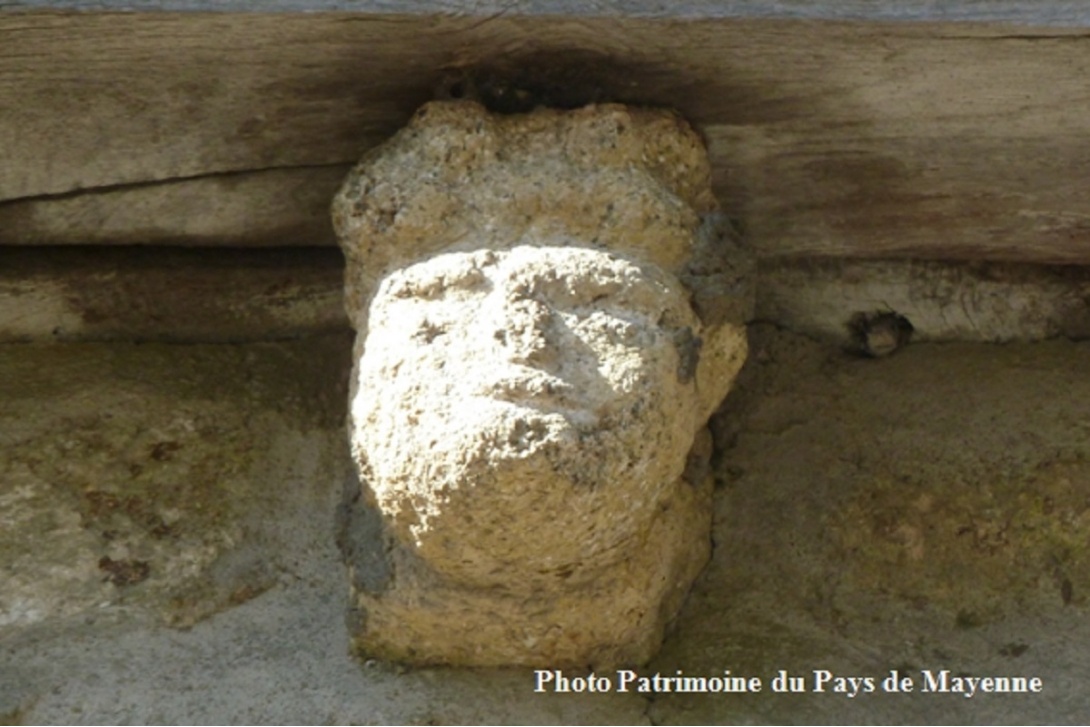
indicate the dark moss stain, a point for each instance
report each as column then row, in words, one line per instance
column 967, row 619
column 362, row 540
column 186, row 294
column 688, row 347
column 102, row 509
column 124, row 572
column 161, row 451
column 572, row 77
column 1013, row 649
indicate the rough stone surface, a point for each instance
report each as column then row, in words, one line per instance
column 168, row 295
column 548, row 312
column 808, row 571
column 153, row 479
column 944, row 301
column 926, row 510
column 239, row 619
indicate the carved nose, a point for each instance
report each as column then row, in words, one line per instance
column 524, row 331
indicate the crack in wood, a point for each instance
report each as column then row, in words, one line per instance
column 159, row 183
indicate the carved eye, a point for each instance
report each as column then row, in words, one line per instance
column 436, row 287
column 428, row 331
column 468, row 278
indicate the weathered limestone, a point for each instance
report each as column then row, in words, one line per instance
column 153, row 480
column 168, row 294
column 548, row 311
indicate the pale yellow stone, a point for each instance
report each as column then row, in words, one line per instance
column 532, row 369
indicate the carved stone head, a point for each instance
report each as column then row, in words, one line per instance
column 548, row 312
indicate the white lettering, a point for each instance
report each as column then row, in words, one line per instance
column 969, row 686
column 541, row 678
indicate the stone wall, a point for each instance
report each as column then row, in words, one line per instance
column 177, row 489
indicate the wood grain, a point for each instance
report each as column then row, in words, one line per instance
column 268, row 208
column 1033, row 12
column 944, row 140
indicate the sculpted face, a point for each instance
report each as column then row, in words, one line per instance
column 530, row 378
column 488, row 375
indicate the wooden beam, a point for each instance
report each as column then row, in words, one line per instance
column 892, row 137
column 1025, row 12
column 267, row 208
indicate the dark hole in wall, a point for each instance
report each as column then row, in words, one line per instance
column 565, row 79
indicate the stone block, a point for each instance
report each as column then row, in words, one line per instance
column 549, row 307
column 162, row 481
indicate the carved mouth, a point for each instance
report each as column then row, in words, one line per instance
column 533, row 387
column 544, row 395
